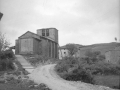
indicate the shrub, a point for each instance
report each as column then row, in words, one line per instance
column 6, row 64
column 7, row 54
column 6, row 60
column 93, row 57
column 84, row 69
column 70, row 69
column 39, row 59
column 80, row 74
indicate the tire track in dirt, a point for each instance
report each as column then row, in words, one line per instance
column 47, row 75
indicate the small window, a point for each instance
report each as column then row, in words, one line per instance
column 43, row 32
column 47, row 32
column 64, row 52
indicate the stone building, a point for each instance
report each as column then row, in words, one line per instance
column 63, row 52
column 113, row 56
column 45, row 42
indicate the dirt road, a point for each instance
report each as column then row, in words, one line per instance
column 47, row 75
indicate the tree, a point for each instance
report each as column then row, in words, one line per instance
column 3, row 42
column 72, row 48
column 1, row 14
column 95, row 56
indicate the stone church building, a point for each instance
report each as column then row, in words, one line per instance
column 45, row 42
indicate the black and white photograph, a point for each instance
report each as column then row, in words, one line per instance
column 59, row 44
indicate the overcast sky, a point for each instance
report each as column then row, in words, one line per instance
column 78, row 21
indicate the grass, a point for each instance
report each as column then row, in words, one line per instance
column 11, row 87
column 37, row 60
column 22, row 85
column 108, row 80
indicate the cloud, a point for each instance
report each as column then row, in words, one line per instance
column 78, row 21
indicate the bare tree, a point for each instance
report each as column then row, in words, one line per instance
column 3, row 42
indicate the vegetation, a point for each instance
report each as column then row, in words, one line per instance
column 17, row 79
column 85, row 69
column 3, row 42
column 13, row 82
column 36, row 60
column 108, row 80
column 6, row 56
column 70, row 69
column 72, row 48
column 6, row 60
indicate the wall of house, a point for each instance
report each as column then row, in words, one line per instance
column 49, row 48
column 37, row 46
column 53, row 34
column 63, row 53
column 108, row 56
column 118, row 57
column 45, row 47
column 113, row 56
column 26, row 46
column 16, row 46
column 33, row 47
column 56, row 50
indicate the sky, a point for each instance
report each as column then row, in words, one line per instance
column 78, row 21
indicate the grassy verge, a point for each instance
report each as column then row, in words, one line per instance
column 22, row 85
column 37, row 60
column 107, row 80
column 17, row 79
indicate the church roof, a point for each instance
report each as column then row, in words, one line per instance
column 29, row 34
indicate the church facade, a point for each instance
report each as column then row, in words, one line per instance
column 45, row 42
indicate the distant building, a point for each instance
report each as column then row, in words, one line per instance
column 45, row 42
column 113, row 56
column 63, row 52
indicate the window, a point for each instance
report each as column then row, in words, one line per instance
column 43, row 32
column 64, row 52
column 47, row 32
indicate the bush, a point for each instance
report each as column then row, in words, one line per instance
column 70, row 69
column 84, row 69
column 7, row 54
column 35, row 60
column 80, row 74
column 6, row 60
column 93, row 57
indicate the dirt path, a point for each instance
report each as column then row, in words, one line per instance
column 46, row 74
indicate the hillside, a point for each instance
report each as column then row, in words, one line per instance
column 102, row 47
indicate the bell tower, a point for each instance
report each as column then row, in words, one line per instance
column 51, row 33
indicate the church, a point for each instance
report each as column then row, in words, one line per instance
column 45, row 42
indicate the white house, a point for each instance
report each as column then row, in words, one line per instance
column 63, row 52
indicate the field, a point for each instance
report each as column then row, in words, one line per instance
column 110, row 80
